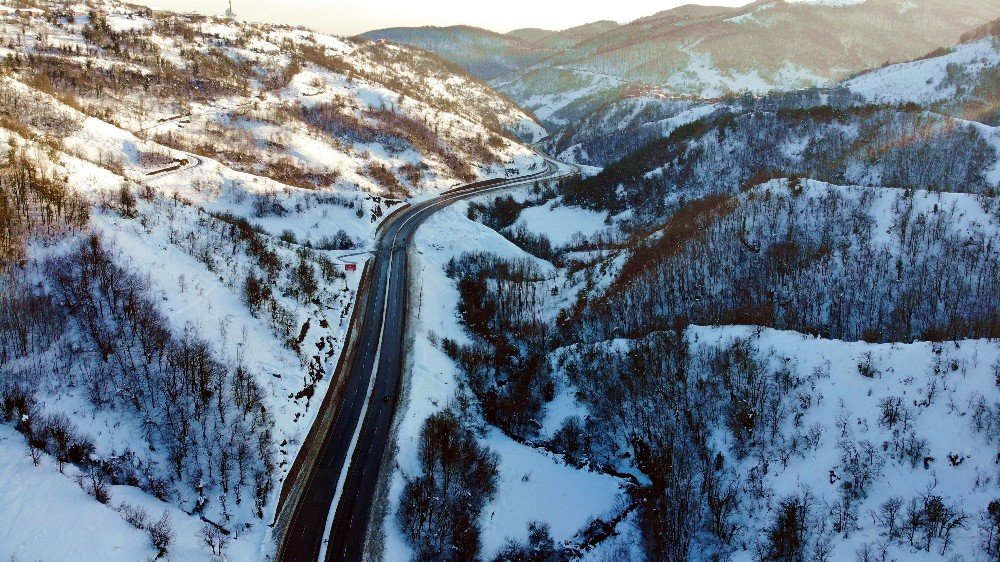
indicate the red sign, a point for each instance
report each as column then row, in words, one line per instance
column 350, row 267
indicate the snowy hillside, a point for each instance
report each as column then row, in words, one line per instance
column 305, row 109
column 881, row 450
column 622, row 127
column 962, row 81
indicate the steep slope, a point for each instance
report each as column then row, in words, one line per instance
column 306, row 109
column 963, row 81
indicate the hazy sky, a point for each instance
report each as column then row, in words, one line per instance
column 349, row 17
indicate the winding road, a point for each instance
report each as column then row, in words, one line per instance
column 327, row 499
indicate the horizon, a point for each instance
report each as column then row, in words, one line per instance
column 354, row 17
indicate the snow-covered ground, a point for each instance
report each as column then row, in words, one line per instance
column 55, row 534
column 538, row 486
column 561, row 223
column 930, row 80
column 46, row 516
column 939, row 384
column 534, row 484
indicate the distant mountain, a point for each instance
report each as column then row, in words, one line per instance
column 702, row 51
column 483, row 53
column 531, row 34
column 567, row 38
column 962, row 81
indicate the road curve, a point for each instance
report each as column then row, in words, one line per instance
column 326, row 515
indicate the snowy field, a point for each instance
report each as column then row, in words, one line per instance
column 560, row 223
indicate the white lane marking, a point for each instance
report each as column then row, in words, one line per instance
column 342, row 479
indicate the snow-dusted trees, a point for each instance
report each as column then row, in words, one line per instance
column 930, row 520
column 202, row 412
column 33, row 203
column 884, row 146
column 161, row 534
column 439, row 509
column 787, row 538
column 255, row 293
column 793, row 262
column 499, row 302
column 214, row 539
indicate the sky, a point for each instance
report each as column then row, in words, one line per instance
column 350, row 17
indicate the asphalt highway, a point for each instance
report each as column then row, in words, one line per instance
column 330, row 509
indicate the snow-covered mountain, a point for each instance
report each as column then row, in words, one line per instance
column 960, row 81
column 706, row 52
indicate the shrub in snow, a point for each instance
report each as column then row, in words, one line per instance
column 305, row 278
column 865, row 368
column 137, row 516
column 161, row 534
column 98, row 486
column 126, row 201
column 267, row 205
column 539, row 547
column 339, row 241
column 214, row 539
column 255, row 293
